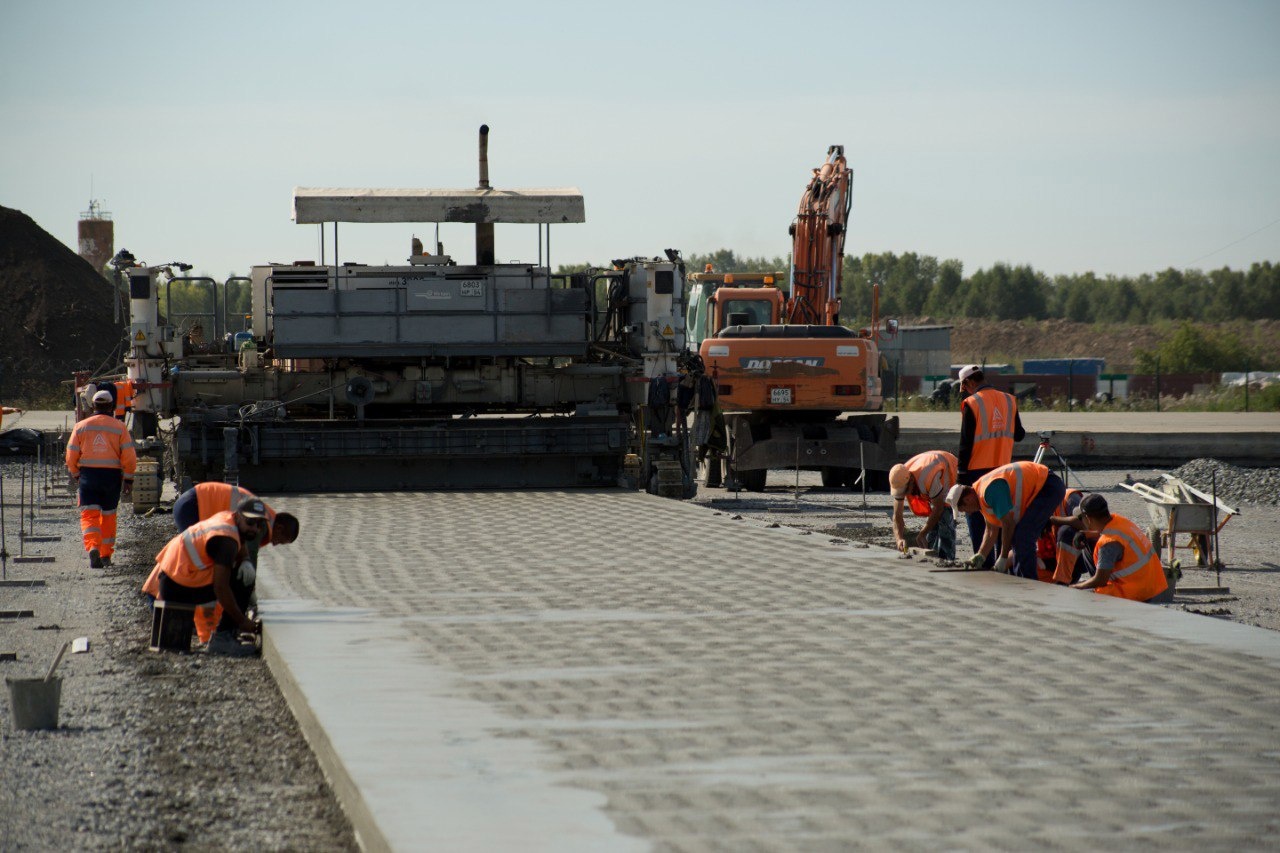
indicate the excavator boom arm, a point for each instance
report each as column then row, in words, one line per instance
column 818, row 243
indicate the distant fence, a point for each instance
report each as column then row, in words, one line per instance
column 1230, row 391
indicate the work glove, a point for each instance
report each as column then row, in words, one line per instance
column 127, row 487
column 248, row 573
column 975, row 562
column 1002, row 565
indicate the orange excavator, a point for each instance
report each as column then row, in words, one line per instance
column 798, row 389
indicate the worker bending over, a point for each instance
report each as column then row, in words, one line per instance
column 198, row 565
column 1125, row 563
column 922, row 483
column 989, row 428
column 1017, row 501
column 101, row 460
column 1058, row 546
column 202, row 502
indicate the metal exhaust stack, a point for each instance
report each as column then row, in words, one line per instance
column 484, row 230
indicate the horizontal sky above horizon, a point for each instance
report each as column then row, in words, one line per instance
column 1114, row 137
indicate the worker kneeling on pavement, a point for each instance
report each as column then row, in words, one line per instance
column 201, row 566
column 204, row 501
column 1017, row 501
column 922, row 483
column 1124, row 562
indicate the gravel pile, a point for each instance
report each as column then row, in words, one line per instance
column 1234, row 484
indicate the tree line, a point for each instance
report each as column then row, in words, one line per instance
column 915, row 285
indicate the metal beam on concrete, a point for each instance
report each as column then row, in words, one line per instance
column 608, row 670
column 552, row 205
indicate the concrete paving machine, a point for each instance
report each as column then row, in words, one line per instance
column 430, row 374
column 797, row 387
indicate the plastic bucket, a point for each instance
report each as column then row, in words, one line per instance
column 34, row 702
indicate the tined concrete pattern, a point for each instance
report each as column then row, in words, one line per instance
column 637, row 671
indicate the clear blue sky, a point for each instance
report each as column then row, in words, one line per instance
column 1119, row 137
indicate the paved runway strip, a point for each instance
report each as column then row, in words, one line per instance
column 612, row 671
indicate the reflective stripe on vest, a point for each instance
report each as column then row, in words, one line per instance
column 1019, row 476
column 927, row 469
column 1129, row 541
column 213, row 498
column 193, row 548
column 991, row 446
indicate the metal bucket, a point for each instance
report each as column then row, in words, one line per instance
column 34, row 702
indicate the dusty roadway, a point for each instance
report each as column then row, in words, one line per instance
column 699, row 682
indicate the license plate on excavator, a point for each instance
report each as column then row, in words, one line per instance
column 780, row 396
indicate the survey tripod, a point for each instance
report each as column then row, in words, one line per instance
column 1046, row 444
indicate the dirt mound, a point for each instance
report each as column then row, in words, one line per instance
column 57, row 311
column 995, row 341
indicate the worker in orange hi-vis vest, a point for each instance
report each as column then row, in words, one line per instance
column 922, row 483
column 124, row 397
column 989, row 428
column 1057, row 545
column 101, row 459
column 198, row 566
column 1016, row 501
column 1124, row 562
column 202, row 502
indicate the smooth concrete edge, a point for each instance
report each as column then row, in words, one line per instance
column 367, row 833
column 413, row 760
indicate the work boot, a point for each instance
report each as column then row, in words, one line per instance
column 228, row 643
column 95, row 559
column 106, row 562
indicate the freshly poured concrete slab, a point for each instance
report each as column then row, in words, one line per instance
column 608, row 670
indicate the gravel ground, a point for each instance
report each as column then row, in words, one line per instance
column 153, row 751
column 1249, row 543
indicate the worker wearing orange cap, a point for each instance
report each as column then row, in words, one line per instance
column 922, row 483
column 101, row 459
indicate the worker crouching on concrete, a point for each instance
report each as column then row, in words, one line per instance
column 101, row 459
column 922, row 483
column 1125, row 563
column 204, row 501
column 1017, row 501
column 200, row 566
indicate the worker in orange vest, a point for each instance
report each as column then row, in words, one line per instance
column 922, row 483
column 202, row 502
column 198, row 567
column 1058, row 546
column 102, row 460
column 124, row 397
column 1125, row 563
column 1016, row 501
column 989, row 428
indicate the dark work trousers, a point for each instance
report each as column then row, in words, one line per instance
column 1028, row 530
column 241, row 592
column 977, row 524
column 171, row 590
column 186, row 510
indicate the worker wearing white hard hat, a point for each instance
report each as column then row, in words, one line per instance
column 921, row 483
column 101, row 460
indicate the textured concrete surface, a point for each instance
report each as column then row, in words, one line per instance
column 606, row 670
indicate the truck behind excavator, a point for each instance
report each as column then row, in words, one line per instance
column 798, row 389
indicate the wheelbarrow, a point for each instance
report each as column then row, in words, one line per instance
column 1178, row 509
